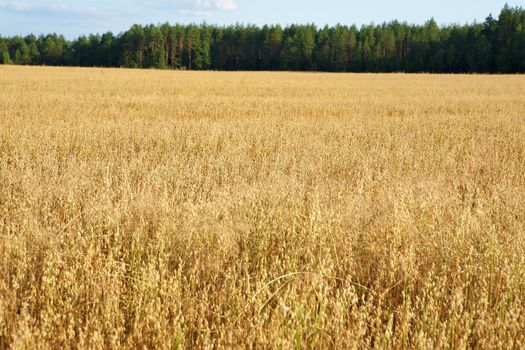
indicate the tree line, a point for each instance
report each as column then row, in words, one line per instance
column 495, row 46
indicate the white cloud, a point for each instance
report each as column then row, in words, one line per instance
column 14, row 6
column 52, row 11
column 196, row 13
column 202, row 8
column 228, row 5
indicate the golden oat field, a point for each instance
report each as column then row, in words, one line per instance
column 195, row 210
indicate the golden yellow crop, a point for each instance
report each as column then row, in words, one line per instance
column 162, row 209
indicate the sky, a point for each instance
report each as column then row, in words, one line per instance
column 74, row 18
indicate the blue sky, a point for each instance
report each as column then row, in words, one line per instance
column 73, row 18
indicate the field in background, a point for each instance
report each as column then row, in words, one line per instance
column 193, row 210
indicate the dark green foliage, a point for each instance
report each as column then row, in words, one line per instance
column 496, row 46
column 54, row 50
column 4, row 52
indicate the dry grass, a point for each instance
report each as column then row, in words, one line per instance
column 271, row 210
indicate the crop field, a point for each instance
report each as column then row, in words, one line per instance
column 164, row 209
